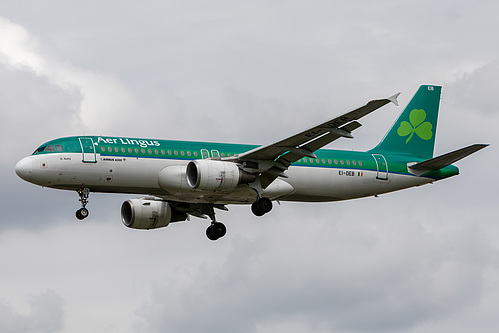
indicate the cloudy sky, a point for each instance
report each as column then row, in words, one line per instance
column 420, row 260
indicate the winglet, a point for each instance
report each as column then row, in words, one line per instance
column 393, row 99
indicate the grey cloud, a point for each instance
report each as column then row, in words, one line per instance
column 46, row 315
column 392, row 276
column 35, row 108
column 473, row 90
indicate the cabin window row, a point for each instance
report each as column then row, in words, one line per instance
column 330, row 161
column 196, row 154
column 155, row 152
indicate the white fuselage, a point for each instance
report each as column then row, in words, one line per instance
column 137, row 175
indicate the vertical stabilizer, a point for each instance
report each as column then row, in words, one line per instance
column 414, row 131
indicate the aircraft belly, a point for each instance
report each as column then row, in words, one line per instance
column 243, row 194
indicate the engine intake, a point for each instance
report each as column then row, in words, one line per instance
column 211, row 175
column 149, row 214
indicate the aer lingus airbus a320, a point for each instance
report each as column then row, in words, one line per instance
column 182, row 178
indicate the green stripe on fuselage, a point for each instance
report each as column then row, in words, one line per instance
column 189, row 150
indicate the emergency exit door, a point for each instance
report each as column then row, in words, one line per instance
column 382, row 167
column 88, row 150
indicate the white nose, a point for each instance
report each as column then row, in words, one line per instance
column 24, row 168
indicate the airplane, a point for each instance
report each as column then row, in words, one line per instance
column 181, row 178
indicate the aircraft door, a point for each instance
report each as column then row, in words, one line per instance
column 382, row 167
column 205, row 153
column 88, row 150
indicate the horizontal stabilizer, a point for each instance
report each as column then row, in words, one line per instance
column 444, row 160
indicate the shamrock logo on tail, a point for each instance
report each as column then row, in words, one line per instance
column 418, row 125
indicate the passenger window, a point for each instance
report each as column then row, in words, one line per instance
column 58, row 148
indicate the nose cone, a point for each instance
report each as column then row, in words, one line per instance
column 24, row 168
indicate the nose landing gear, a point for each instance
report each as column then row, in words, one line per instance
column 83, row 193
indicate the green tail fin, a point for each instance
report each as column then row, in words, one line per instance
column 414, row 131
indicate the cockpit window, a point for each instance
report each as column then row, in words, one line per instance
column 39, row 150
column 49, row 148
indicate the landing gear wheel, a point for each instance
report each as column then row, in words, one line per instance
column 256, row 209
column 261, row 207
column 220, row 229
column 215, row 231
column 81, row 213
column 83, row 193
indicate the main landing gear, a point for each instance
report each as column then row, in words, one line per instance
column 83, row 193
column 261, row 206
column 217, row 229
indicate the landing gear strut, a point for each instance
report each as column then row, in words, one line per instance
column 217, row 229
column 83, row 193
column 261, row 206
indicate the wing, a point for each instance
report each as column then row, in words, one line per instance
column 272, row 160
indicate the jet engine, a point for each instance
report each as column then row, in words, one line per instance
column 212, row 175
column 149, row 214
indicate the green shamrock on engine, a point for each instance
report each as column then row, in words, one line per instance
column 422, row 128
